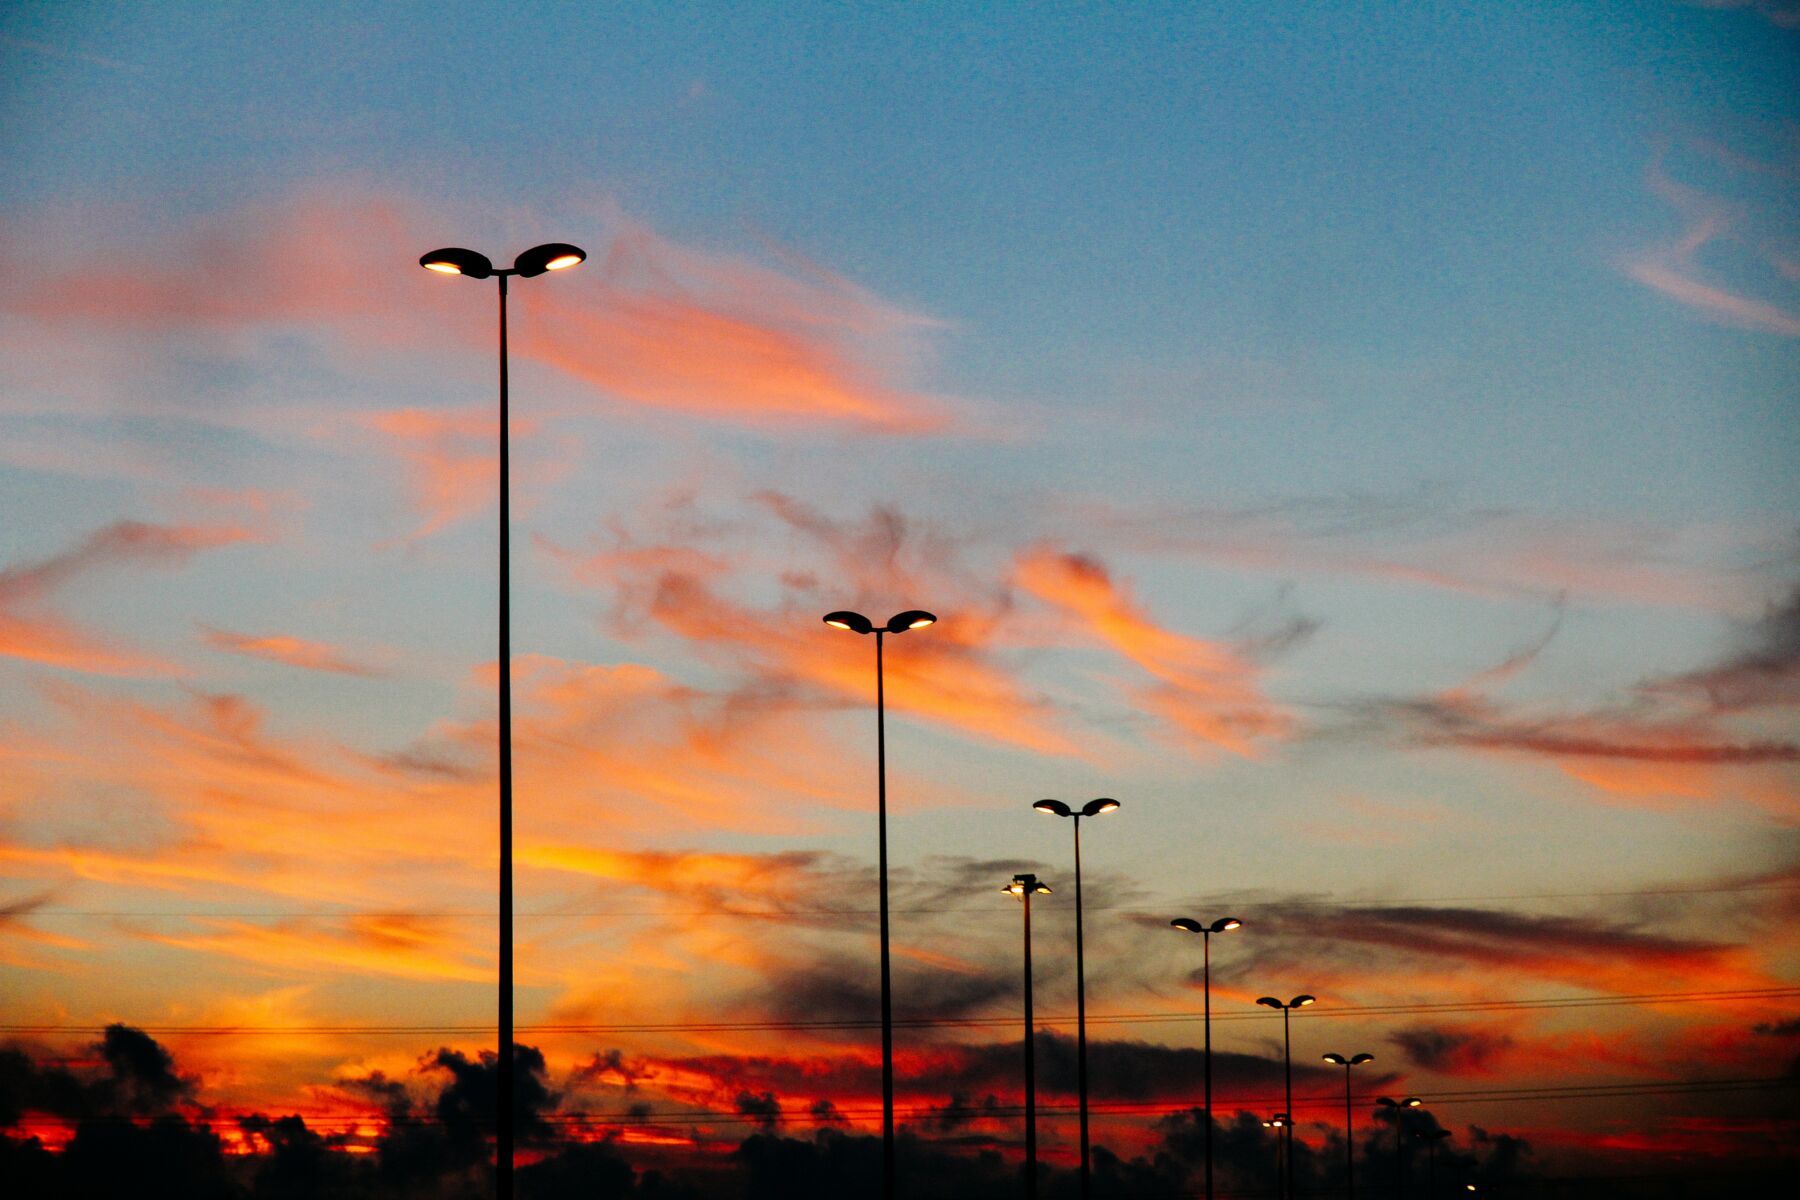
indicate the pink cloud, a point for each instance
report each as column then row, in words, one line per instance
column 646, row 322
column 1674, row 269
column 292, row 651
column 44, row 637
column 1208, row 691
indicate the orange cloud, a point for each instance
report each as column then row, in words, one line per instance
column 451, row 460
column 646, row 321
column 48, row 639
column 663, row 326
column 408, row 947
column 1209, row 690
column 293, row 651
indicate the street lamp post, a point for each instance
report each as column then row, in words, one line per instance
column 899, row 623
column 1399, row 1107
column 1355, row 1060
column 454, row 260
column 1278, row 1123
column 1092, row 808
column 1190, row 925
column 1024, row 886
column 1287, row 1060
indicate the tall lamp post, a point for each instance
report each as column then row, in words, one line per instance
column 1278, row 1123
column 1287, row 1060
column 1092, row 808
column 1399, row 1107
column 454, row 260
column 899, row 623
column 1189, row 925
column 1355, row 1060
column 1024, row 887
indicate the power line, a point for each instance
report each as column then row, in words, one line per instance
column 1332, row 1102
column 779, row 913
column 1420, row 1009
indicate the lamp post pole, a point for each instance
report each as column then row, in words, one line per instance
column 1092, row 808
column 857, row 623
column 1023, row 886
column 454, row 260
column 1287, row 1061
column 1355, row 1060
column 1399, row 1108
column 1278, row 1123
column 887, row 982
column 1189, row 925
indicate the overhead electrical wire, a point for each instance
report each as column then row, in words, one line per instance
column 778, row 913
column 1350, row 1010
column 1332, row 1102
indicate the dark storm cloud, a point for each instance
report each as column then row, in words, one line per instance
column 26, row 1086
column 609, row 1066
column 1437, row 721
column 140, row 1080
column 962, row 1110
column 1657, row 723
column 143, row 1072
column 1765, row 672
column 824, row 1112
column 844, row 989
column 467, row 1105
column 960, row 1071
column 1135, row 1070
column 762, row 1108
column 391, row 1092
column 1450, row 1051
column 1475, row 935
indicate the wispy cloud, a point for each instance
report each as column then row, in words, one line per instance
column 291, row 651
column 1427, row 539
column 677, row 579
column 1676, row 268
column 402, row 945
column 647, row 323
column 1209, row 692
column 27, row 632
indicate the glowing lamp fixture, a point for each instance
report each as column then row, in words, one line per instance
column 855, row 622
column 1296, row 1002
column 551, row 256
column 1389, row 1102
column 1027, row 883
column 1353, row 1061
column 1093, row 808
column 1189, row 925
column 454, row 260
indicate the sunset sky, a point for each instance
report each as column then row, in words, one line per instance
column 1359, row 437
